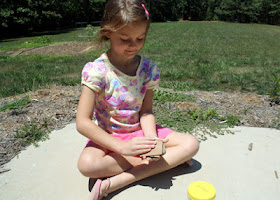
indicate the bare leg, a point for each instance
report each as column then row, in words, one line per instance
column 179, row 149
column 97, row 162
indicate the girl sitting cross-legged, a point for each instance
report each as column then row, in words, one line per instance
column 118, row 89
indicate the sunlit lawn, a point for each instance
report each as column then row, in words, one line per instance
column 215, row 55
column 190, row 55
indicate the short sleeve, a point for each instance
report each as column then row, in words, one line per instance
column 93, row 75
column 153, row 76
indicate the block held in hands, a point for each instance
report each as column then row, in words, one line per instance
column 158, row 151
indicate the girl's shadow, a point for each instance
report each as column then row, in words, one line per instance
column 162, row 180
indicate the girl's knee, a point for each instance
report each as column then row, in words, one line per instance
column 88, row 166
column 190, row 145
column 193, row 144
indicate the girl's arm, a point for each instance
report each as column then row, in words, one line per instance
column 87, row 127
column 91, row 130
column 147, row 118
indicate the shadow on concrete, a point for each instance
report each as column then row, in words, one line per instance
column 162, row 180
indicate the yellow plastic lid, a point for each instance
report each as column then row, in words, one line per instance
column 201, row 190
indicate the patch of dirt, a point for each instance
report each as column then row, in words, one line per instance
column 60, row 49
column 56, row 107
column 254, row 110
column 49, row 109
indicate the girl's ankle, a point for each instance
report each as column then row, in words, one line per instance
column 104, row 189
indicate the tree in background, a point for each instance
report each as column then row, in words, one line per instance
column 270, row 12
column 21, row 17
column 195, row 10
column 26, row 16
column 163, row 10
column 243, row 11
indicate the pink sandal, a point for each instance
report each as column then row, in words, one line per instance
column 95, row 192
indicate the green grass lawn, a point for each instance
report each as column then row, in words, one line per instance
column 190, row 55
column 215, row 55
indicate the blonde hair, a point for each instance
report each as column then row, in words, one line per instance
column 119, row 13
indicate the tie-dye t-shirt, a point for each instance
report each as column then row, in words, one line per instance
column 119, row 96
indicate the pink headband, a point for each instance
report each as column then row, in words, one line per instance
column 147, row 13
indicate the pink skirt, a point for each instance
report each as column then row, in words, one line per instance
column 161, row 133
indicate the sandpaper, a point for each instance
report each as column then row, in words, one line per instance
column 158, row 151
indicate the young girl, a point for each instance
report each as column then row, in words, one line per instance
column 118, row 88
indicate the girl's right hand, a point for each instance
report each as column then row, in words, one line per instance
column 137, row 146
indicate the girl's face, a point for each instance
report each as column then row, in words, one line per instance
column 128, row 41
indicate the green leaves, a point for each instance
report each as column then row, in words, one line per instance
column 32, row 133
column 21, row 17
column 163, row 97
column 207, row 120
column 16, row 104
column 274, row 93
